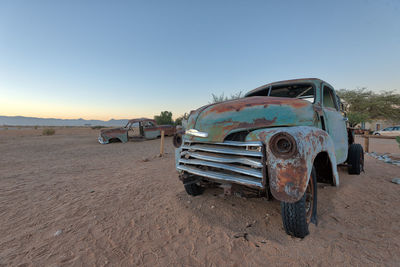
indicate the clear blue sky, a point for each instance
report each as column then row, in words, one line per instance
column 124, row 59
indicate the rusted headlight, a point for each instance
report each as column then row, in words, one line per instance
column 283, row 145
column 177, row 140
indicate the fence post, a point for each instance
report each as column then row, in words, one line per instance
column 162, row 144
column 366, row 143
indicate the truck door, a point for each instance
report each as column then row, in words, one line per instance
column 151, row 131
column 335, row 123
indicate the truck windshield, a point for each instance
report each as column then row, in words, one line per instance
column 302, row 91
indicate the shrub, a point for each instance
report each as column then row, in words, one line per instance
column 98, row 127
column 48, row 131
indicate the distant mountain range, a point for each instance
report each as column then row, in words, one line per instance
column 32, row 121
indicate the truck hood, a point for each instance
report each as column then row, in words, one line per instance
column 247, row 114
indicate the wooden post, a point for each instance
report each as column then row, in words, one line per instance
column 366, row 143
column 162, row 144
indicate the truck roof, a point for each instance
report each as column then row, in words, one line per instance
column 141, row 119
column 303, row 80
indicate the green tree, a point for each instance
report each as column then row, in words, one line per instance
column 364, row 105
column 222, row 97
column 179, row 120
column 165, row 117
column 356, row 118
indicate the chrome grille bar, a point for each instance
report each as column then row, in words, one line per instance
column 228, row 162
column 238, row 169
column 253, row 162
column 222, row 176
column 224, row 150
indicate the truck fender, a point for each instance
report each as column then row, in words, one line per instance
column 289, row 174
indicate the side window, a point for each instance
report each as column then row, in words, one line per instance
column 148, row 124
column 328, row 99
column 388, row 129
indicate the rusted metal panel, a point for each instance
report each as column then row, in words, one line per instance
column 250, row 113
column 151, row 133
column 289, row 176
column 118, row 133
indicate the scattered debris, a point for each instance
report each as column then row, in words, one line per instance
column 91, row 191
column 396, row 180
column 212, row 206
column 387, row 158
column 145, row 159
column 58, row 232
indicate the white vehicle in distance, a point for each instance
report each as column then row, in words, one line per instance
column 389, row 131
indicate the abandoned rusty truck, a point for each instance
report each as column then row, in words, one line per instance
column 279, row 140
column 135, row 129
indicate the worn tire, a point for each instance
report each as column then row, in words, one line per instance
column 355, row 159
column 294, row 215
column 194, row 189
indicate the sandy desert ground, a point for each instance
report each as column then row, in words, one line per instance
column 66, row 200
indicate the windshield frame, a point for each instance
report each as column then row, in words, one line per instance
column 269, row 89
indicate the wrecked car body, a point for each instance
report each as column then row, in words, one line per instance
column 136, row 129
column 278, row 141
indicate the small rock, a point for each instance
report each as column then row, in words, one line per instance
column 237, row 235
column 58, row 232
column 396, row 180
column 250, row 224
column 189, row 201
column 145, row 159
column 212, row 206
column 91, row 191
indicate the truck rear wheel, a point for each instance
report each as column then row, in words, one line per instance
column 355, row 159
column 194, row 189
column 297, row 216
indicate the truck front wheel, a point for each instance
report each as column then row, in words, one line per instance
column 194, row 189
column 297, row 216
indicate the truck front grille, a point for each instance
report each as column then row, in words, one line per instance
column 228, row 162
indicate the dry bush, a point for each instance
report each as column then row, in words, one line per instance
column 48, row 131
column 98, row 127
